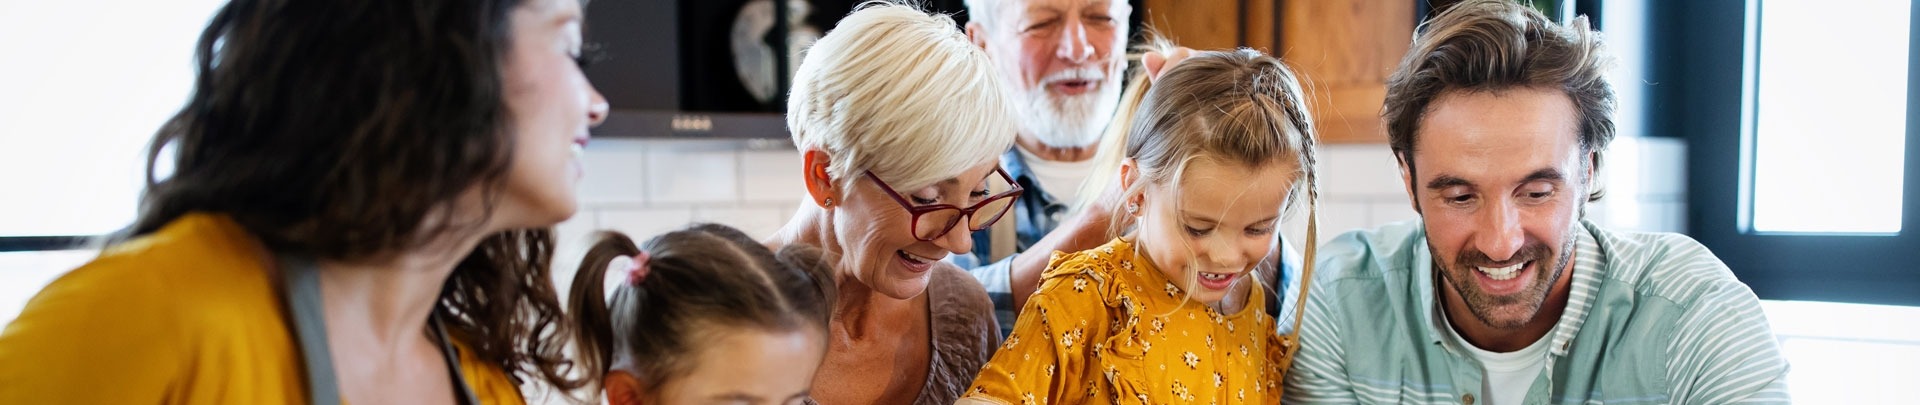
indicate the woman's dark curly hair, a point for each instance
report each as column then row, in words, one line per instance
column 343, row 129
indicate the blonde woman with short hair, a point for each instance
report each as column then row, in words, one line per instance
column 900, row 122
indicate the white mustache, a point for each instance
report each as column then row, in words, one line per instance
column 1084, row 73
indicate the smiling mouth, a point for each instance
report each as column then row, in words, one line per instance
column 915, row 259
column 1503, row 273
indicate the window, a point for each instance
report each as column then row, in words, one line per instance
column 86, row 84
column 1829, row 123
column 1801, row 142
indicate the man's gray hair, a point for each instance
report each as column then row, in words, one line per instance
column 983, row 12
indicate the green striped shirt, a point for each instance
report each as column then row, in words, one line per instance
column 1651, row 318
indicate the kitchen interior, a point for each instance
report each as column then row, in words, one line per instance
column 1806, row 191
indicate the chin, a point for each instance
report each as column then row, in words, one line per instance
column 1209, row 299
column 909, row 288
column 560, row 214
column 536, row 214
column 902, row 285
column 1509, row 316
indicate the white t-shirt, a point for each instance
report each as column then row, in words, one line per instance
column 1060, row 180
column 1506, row 376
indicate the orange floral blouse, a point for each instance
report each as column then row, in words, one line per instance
column 1107, row 327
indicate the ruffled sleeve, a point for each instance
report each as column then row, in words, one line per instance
column 1049, row 357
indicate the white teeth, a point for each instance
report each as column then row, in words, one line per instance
column 1503, row 273
column 578, row 151
column 916, row 258
column 1215, row 276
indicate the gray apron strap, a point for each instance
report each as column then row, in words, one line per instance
column 453, row 364
column 302, row 278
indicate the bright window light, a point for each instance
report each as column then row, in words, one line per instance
column 83, row 87
column 1830, row 116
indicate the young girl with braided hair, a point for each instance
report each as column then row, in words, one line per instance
column 1210, row 157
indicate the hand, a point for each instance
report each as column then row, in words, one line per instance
column 1157, row 63
column 1107, row 207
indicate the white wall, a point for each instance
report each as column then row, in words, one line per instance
column 647, row 187
column 1360, row 187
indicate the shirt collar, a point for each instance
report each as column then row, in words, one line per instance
column 1016, row 166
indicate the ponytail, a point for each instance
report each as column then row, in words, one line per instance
column 594, row 337
column 704, row 276
column 1114, row 145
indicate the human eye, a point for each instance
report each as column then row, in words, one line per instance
column 587, row 55
column 1458, row 196
column 1538, row 193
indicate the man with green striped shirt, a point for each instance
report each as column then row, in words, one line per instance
column 1502, row 293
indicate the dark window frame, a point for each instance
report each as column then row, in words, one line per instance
column 1707, row 46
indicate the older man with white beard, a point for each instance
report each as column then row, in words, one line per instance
column 1065, row 61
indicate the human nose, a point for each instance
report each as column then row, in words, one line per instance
column 1074, row 46
column 958, row 239
column 597, row 108
column 1500, row 234
column 1224, row 253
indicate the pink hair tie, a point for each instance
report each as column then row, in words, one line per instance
column 637, row 268
column 633, row 270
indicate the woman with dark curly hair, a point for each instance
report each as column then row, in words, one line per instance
column 358, row 208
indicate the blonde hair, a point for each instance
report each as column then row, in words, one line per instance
column 1240, row 107
column 898, row 91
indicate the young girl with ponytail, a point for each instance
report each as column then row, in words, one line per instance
column 700, row 315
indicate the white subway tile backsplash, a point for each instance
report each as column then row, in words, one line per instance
column 1359, row 170
column 1649, row 214
column 572, row 237
column 647, row 187
column 1294, row 228
column 771, row 176
column 1336, row 217
column 1387, row 212
column 1639, row 168
column 645, row 223
column 759, row 222
column 1663, row 167
column 615, row 171
column 1667, row 217
column 578, row 228
column 689, row 174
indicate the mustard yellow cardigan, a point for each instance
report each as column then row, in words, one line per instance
column 187, row 315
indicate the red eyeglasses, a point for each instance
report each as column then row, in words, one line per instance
column 932, row 221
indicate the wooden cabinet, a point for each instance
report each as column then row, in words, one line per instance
column 1344, row 49
column 1214, row 24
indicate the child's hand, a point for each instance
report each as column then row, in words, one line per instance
column 1109, row 209
column 1157, row 63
